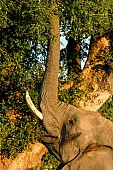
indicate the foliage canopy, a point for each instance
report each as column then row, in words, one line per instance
column 25, row 36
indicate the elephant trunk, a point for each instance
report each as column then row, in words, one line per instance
column 50, row 85
column 49, row 95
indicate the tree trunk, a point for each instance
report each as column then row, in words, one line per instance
column 73, row 56
column 97, row 74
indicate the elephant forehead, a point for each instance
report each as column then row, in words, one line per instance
column 80, row 120
column 81, row 115
column 85, row 124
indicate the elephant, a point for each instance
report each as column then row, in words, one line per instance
column 80, row 139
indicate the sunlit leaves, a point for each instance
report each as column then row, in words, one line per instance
column 107, row 109
column 25, row 35
column 87, row 17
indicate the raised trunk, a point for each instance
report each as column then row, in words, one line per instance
column 49, row 96
column 50, row 84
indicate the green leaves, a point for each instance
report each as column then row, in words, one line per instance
column 87, row 17
column 25, row 34
column 78, row 17
column 107, row 109
column 49, row 162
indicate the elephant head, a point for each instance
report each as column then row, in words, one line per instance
column 71, row 131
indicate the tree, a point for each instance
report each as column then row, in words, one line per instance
column 97, row 73
column 25, row 35
column 88, row 19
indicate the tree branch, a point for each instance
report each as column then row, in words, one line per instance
column 97, row 74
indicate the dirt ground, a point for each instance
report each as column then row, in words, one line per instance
column 27, row 159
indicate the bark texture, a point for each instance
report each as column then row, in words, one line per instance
column 73, row 56
column 97, row 74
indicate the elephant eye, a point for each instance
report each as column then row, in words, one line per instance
column 72, row 122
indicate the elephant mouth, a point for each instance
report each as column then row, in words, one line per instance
column 48, row 139
column 69, row 148
column 63, row 147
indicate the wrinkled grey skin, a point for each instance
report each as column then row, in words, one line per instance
column 75, row 130
column 80, row 139
column 101, row 159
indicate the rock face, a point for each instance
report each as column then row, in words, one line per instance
column 27, row 159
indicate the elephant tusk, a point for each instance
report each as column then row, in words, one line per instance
column 32, row 107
